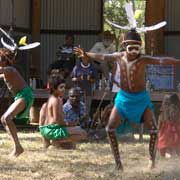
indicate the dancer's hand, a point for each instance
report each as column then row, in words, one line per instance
column 80, row 52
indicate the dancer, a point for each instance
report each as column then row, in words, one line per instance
column 132, row 101
column 23, row 96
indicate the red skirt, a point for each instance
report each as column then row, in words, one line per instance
column 168, row 136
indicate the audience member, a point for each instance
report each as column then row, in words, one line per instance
column 65, row 54
column 84, row 75
column 115, row 78
column 75, row 110
column 106, row 46
column 52, row 127
column 169, row 126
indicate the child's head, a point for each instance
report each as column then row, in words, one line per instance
column 7, row 57
column 56, row 85
column 171, row 106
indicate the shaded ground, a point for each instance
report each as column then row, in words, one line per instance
column 90, row 161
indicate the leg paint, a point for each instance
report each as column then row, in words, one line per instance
column 114, row 148
column 152, row 144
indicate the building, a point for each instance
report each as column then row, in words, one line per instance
column 48, row 21
column 164, row 41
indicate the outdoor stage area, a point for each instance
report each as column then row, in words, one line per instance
column 89, row 161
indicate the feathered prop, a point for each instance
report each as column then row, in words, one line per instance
column 14, row 46
column 133, row 23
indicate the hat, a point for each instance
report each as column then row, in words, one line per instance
column 132, row 36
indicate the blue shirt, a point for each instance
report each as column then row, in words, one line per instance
column 70, row 115
column 85, row 84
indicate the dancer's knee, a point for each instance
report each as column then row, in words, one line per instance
column 5, row 119
column 110, row 129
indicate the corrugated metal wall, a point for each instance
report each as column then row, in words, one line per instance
column 172, row 32
column 172, row 15
column 21, row 13
column 73, row 15
column 50, row 44
column 58, row 15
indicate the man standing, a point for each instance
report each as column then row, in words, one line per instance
column 132, row 101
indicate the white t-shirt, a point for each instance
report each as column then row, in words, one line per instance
column 100, row 48
column 115, row 88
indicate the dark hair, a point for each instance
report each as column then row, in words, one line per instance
column 69, row 35
column 74, row 90
column 7, row 55
column 132, row 35
column 54, row 82
column 57, row 65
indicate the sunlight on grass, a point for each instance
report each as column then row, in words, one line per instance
column 90, row 161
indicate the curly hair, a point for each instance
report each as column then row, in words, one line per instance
column 7, row 55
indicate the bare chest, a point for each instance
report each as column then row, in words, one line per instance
column 132, row 73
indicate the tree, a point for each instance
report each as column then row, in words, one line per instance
column 115, row 12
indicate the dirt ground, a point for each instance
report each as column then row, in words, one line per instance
column 90, row 161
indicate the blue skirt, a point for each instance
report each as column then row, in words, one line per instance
column 131, row 107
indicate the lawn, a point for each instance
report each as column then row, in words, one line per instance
column 90, row 161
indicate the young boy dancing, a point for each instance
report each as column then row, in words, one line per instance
column 23, row 97
column 132, row 101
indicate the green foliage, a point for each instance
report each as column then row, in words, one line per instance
column 115, row 12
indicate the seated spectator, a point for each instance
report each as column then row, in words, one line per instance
column 105, row 46
column 169, row 129
column 52, row 126
column 84, row 75
column 56, row 69
column 75, row 110
column 65, row 54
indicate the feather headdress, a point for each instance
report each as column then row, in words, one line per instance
column 133, row 23
column 13, row 46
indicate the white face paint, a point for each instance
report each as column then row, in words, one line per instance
column 133, row 49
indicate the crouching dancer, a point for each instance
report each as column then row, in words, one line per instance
column 132, row 101
column 52, row 125
column 22, row 93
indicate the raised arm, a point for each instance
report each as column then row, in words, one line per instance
column 161, row 60
column 93, row 56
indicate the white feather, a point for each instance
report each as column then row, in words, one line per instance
column 130, row 15
column 8, row 36
column 118, row 26
column 152, row 28
column 29, row 46
column 11, row 48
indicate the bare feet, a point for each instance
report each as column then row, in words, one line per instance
column 46, row 143
column 68, row 146
column 17, row 151
column 151, row 164
column 119, row 167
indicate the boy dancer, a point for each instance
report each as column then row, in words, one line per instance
column 23, row 96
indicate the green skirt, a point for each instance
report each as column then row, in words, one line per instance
column 54, row 131
column 26, row 94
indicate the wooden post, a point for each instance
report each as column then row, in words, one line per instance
column 155, row 12
column 36, row 36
